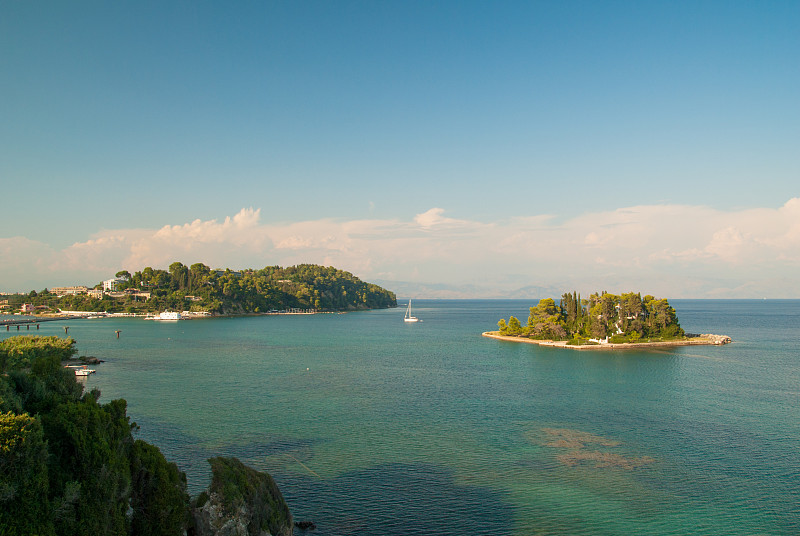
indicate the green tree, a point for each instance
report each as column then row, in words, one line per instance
column 501, row 325
column 514, row 327
column 159, row 499
column 24, row 505
column 198, row 276
column 90, row 444
column 631, row 311
column 74, row 469
column 180, row 276
column 546, row 311
column 9, row 399
column 22, row 350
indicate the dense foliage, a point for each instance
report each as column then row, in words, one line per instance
column 21, row 352
column 624, row 318
column 70, row 465
column 199, row 288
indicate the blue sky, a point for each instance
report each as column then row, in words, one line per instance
column 488, row 146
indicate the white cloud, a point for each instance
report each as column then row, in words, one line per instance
column 240, row 237
column 23, row 263
column 433, row 218
column 674, row 250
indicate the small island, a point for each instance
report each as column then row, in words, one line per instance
column 603, row 321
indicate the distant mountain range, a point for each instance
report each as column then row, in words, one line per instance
column 406, row 289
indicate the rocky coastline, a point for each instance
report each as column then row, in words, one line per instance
column 240, row 501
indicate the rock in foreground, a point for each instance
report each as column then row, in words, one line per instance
column 240, row 502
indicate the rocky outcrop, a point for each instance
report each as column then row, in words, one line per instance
column 240, row 502
column 717, row 339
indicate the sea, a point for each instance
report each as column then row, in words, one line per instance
column 374, row 426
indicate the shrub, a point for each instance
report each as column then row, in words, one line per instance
column 22, row 350
column 159, row 499
column 672, row 331
column 23, row 476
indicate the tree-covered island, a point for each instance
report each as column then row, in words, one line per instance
column 196, row 288
column 602, row 320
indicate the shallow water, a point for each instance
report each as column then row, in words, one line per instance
column 375, row 426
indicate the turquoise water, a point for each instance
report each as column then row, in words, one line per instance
column 374, row 426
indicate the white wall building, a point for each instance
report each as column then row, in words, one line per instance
column 111, row 284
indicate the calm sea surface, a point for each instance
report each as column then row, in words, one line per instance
column 372, row 426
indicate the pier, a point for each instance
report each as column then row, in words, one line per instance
column 36, row 321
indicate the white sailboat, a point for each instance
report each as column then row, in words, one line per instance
column 409, row 317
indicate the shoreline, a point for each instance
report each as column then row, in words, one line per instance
column 705, row 339
column 190, row 315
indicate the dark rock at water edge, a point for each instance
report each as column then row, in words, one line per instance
column 305, row 525
column 240, row 502
column 85, row 360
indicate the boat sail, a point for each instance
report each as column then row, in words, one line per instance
column 409, row 317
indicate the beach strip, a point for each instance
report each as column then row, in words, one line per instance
column 704, row 339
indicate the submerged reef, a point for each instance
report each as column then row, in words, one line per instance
column 583, row 447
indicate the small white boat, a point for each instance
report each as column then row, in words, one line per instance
column 409, row 317
column 81, row 370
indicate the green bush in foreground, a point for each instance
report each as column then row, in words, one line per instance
column 69, row 465
column 21, row 351
column 159, row 497
column 24, row 507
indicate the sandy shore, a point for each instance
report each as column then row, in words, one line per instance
column 705, row 339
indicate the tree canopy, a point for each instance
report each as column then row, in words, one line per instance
column 70, row 465
column 198, row 287
column 22, row 351
column 622, row 318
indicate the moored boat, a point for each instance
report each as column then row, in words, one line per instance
column 408, row 316
column 166, row 315
column 81, row 370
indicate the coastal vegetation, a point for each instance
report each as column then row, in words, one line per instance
column 199, row 288
column 20, row 352
column 606, row 317
column 71, row 466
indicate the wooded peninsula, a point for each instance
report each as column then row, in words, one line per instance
column 604, row 320
column 196, row 288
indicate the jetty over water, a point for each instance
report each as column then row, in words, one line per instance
column 38, row 320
